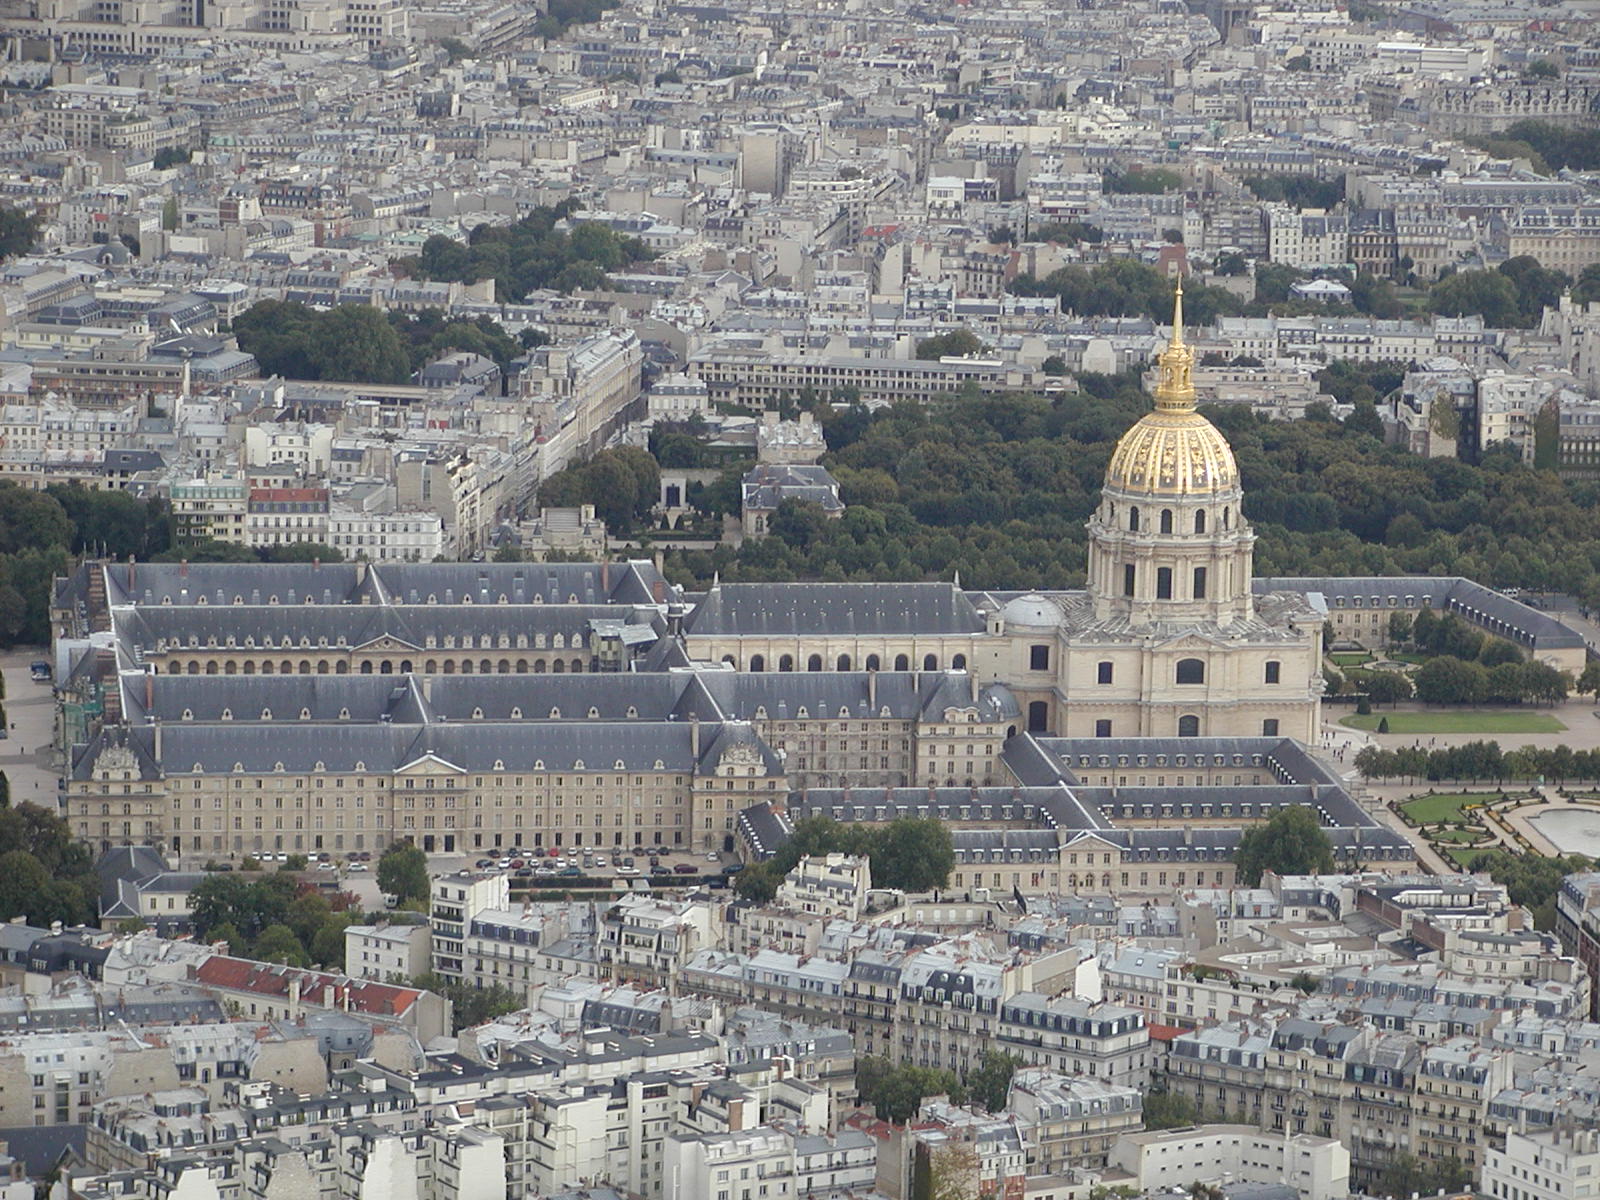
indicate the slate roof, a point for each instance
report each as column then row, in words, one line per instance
column 841, row 609
column 1483, row 606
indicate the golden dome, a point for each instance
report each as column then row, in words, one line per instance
column 1173, row 451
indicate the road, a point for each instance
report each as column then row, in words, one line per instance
column 27, row 755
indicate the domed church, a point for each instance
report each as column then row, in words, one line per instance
column 1169, row 639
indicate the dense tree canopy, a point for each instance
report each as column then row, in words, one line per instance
column 1302, row 191
column 529, row 255
column 912, row 854
column 1291, row 842
column 44, row 875
column 403, row 872
column 352, row 343
column 622, row 482
column 18, row 231
column 999, row 489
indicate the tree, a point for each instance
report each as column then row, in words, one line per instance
column 18, row 231
column 1168, row 1110
column 947, row 1172
column 912, row 854
column 958, row 343
column 247, row 905
column 403, row 872
column 1542, row 68
column 169, row 214
column 278, row 944
column 470, row 1006
column 23, row 880
column 1589, row 681
column 990, row 1082
column 896, row 1093
column 1291, row 842
column 1448, row 680
column 171, row 156
column 1488, row 294
column 1143, row 180
column 1408, row 1176
column 1400, row 625
column 1365, row 419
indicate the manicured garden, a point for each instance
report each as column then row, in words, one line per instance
column 1466, row 720
column 1444, row 807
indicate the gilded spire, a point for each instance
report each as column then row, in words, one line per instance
column 1175, row 391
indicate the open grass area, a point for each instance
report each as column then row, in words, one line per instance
column 1458, row 720
column 1352, row 658
column 1445, row 806
column 1463, row 837
column 1463, row 855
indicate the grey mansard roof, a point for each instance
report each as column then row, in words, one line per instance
column 380, row 749
column 711, row 695
column 1483, row 606
column 1050, row 807
column 843, row 609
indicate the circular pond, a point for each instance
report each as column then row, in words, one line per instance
column 1571, row 830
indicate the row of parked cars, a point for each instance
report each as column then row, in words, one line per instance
column 360, row 860
column 542, row 862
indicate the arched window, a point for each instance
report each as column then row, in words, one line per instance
column 959, row 662
column 902, row 662
column 1038, row 716
column 386, row 668
column 1163, row 583
column 930, row 662
column 844, row 663
column 1200, row 521
column 1189, row 726
column 366, row 668
column 814, row 663
column 1133, row 520
column 874, row 663
column 1191, row 670
column 1166, row 520
column 758, row 662
column 786, row 663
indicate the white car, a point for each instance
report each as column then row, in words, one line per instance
column 327, row 866
column 359, row 866
column 713, row 857
column 600, row 864
column 628, row 871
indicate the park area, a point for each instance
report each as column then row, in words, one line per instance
column 1444, row 807
column 1466, row 720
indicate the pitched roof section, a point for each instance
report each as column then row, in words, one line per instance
column 840, row 609
column 317, row 988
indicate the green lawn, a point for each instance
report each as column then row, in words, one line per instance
column 1463, row 836
column 1463, row 855
column 1351, row 658
column 1458, row 720
column 1446, row 806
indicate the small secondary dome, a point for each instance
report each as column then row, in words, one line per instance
column 1032, row 610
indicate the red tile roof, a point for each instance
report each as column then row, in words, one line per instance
column 318, row 989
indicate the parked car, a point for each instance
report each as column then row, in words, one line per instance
column 523, row 872
column 600, row 862
column 686, row 869
column 712, row 856
column 658, row 869
column 518, row 864
column 321, row 866
column 359, row 866
column 733, row 868
column 482, row 863
column 628, row 872
column 627, row 861
column 717, row 882
column 655, row 860
column 573, row 871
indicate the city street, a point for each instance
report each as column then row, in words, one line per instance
column 27, row 755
